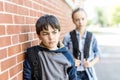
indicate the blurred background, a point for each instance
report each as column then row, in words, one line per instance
column 104, row 21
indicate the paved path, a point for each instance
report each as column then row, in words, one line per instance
column 108, row 69
column 109, row 66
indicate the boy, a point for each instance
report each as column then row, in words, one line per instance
column 52, row 59
column 83, row 45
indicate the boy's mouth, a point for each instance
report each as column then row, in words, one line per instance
column 51, row 42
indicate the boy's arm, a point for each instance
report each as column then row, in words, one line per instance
column 72, row 73
column 26, row 70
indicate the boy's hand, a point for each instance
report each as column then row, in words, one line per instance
column 77, row 62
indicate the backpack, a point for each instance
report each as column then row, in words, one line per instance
column 32, row 55
column 76, row 51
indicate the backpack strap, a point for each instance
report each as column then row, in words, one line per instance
column 32, row 54
column 87, row 44
column 75, row 44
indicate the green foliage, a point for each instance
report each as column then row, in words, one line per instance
column 116, row 15
column 89, row 22
column 100, row 16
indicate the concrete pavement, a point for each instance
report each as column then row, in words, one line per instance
column 108, row 69
column 109, row 66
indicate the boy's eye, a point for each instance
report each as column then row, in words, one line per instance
column 45, row 33
column 54, row 32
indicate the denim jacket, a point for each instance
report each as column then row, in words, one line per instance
column 94, row 51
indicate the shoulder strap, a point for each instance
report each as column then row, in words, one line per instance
column 75, row 43
column 76, row 46
column 87, row 44
column 32, row 54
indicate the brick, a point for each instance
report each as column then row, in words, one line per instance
column 6, row 18
column 15, row 78
column 23, row 37
column 10, row 8
column 2, row 30
column 15, row 70
column 19, row 20
column 26, row 45
column 48, row 5
column 36, row 6
column 3, row 53
column 20, row 58
column 27, row 3
column 35, row 42
column 0, row 66
column 25, row 29
column 13, row 29
column 14, row 50
column 15, row 39
column 5, row 41
column 33, row 13
column 20, row 2
column 8, row 63
column 20, row 76
column 1, row 6
column 22, row 11
column 38, row 1
column 30, row 20
column 4, row 76
column 31, row 36
column 27, row 20
column 32, row 28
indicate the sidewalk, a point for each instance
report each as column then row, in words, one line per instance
column 109, row 41
column 108, row 69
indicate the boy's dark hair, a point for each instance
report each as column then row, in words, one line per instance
column 44, row 21
column 78, row 9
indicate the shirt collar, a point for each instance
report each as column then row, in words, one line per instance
column 84, row 35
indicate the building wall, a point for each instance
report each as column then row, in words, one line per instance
column 17, row 30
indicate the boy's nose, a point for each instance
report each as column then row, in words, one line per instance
column 50, row 36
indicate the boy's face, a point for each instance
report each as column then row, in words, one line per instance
column 50, row 38
column 80, row 19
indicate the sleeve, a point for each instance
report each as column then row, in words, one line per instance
column 95, row 47
column 65, row 41
column 26, row 70
column 72, row 72
column 68, row 43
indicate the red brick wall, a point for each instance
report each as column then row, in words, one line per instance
column 17, row 30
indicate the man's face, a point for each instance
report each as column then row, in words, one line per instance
column 80, row 19
column 50, row 38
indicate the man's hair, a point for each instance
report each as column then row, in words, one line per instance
column 76, row 10
column 44, row 21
